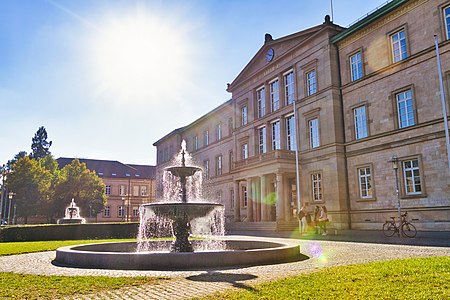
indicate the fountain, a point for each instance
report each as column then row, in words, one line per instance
column 72, row 215
column 180, row 217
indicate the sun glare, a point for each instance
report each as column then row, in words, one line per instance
column 139, row 57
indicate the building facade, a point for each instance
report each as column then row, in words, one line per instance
column 367, row 98
column 127, row 186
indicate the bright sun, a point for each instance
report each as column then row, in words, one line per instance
column 140, row 57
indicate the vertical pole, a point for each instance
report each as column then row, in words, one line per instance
column 2, row 196
column 297, row 171
column 331, row 9
column 444, row 107
column 399, row 209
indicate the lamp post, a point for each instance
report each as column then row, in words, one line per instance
column 10, row 196
column 394, row 161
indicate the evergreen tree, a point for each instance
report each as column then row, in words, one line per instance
column 39, row 145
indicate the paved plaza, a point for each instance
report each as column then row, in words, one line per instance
column 186, row 284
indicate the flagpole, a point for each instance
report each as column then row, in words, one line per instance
column 444, row 106
column 331, row 9
column 297, row 171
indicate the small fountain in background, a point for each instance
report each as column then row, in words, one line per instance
column 180, row 217
column 72, row 215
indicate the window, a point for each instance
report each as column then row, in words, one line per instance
column 219, row 132
column 316, row 184
column 232, row 199
column 262, row 140
column 311, row 83
column 244, row 151
column 144, row 190
column 276, row 145
column 195, row 143
column 405, row 109
column 121, row 212
column 447, row 21
column 122, row 190
column 135, row 211
column 274, row 96
column 356, row 66
column 365, row 182
column 230, row 160
column 108, row 190
column 261, row 102
column 398, row 43
column 107, row 211
column 219, row 165
column 244, row 115
column 289, row 88
column 360, row 121
column 206, row 138
column 136, row 190
column 314, row 133
column 411, row 174
column 206, row 169
column 244, row 193
column 290, row 133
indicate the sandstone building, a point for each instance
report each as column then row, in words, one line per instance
column 367, row 98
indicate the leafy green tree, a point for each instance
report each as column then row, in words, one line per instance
column 77, row 182
column 39, row 145
column 18, row 156
column 31, row 184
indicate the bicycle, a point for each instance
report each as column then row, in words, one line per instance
column 390, row 227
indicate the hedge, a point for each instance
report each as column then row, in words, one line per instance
column 49, row 232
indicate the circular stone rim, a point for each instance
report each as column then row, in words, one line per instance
column 252, row 253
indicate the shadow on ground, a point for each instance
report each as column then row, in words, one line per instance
column 234, row 279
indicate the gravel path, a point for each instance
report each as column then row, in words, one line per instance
column 187, row 284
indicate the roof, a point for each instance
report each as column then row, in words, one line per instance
column 115, row 169
column 371, row 17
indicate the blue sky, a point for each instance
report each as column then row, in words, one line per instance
column 109, row 78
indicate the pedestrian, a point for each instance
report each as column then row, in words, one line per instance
column 316, row 219
column 323, row 219
column 302, row 214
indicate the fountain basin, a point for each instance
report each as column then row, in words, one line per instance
column 122, row 256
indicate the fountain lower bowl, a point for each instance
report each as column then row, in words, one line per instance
column 122, row 256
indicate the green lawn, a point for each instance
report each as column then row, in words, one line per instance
column 417, row 278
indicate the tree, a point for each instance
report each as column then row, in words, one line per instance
column 18, row 156
column 31, row 184
column 39, row 145
column 79, row 183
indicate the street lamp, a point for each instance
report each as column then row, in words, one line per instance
column 394, row 161
column 10, row 196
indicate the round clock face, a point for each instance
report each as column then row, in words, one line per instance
column 270, row 54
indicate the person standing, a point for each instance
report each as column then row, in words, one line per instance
column 303, row 222
column 316, row 219
column 323, row 219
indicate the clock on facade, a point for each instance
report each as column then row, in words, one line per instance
column 270, row 54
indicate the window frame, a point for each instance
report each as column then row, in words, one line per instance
column 311, row 88
column 261, row 101
column 108, row 190
column 371, row 182
column 262, row 139
column 392, row 42
column 360, row 66
column 121, row 211
column 396, row 107
column 274, row 95
column 363, row 122
column 404, row 176
column 206, row 138
column 244, row 151
column 291, row 135
column 289, row 87
column 107, row 212
column 206, row 168
column 219, row 131
column 276, row 134
column 316, row 188
column 313, row 132
column 446, row 19
column 244, row 115
column 219, row 165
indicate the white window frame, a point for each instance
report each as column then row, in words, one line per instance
column 276, row 135
column 289, row 87
column 232, row 204
column 365, row 182
column 244, row 115
column 122, row 190
column 356, row 70
column 446, row 12
column 244, row 151
column 311, row 82
column 206, row 138
column 108, row 190
column 107, row 211
column 412, row 177
column 314, row 139
column 135, row 211
column 206, row 169
column 261, row 101
column 405, row 108
column 291, row 141
column 399, row 47
column 219, row 161
column 144, row 190
column 219, row 131
column 262, row 139
column 195, row 143
column 121, row 211
column 360, row 122
column 274, row 95
column 316, row 187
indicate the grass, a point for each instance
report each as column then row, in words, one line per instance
column 24, row 286
column 415, row 278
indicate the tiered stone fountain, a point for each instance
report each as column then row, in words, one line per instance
column 181, row 254
column 72, row 215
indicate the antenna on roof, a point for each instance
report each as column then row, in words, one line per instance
column 331, row 9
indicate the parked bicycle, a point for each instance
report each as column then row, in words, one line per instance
column 390, row 227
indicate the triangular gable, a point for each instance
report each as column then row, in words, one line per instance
column 280, row 47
